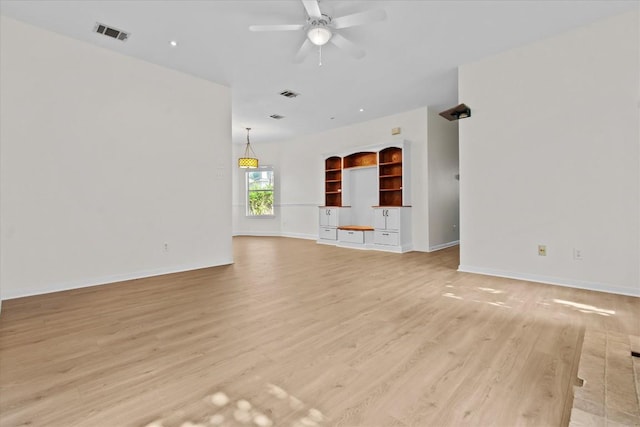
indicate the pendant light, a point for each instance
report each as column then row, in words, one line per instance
column 249, row 159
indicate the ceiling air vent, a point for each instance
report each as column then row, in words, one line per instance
column 289, row 94
column 114, row 33
column 276, row 116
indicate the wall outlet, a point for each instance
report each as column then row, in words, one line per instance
column 542, row 250
column 166, row 247
column 577, row 254
column 395, row 131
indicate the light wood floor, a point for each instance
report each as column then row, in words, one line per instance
column 296, row 333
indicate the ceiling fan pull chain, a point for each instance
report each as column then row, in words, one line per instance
column 319, row 56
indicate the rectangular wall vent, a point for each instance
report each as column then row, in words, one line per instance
column 114, row 33
column 289, row 94
column 276, row 116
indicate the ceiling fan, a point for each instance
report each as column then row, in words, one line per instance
column 322, row 29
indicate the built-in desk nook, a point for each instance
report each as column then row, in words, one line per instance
column 367, row 202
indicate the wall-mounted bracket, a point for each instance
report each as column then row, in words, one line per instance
column 456, row 113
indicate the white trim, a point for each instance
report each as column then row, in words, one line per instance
column 391, row 248
column 443, row 246
column 256, row 233
column 274, row 234
column 105, row 280
column 286, row 205
column 570, row 283
column 327, row 242
column 360, row 246
column 300, row 236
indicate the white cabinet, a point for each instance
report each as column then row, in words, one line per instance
column 387, row 218
column 351, row 236
column 328, row 233
column 392, row 228
column 330, row 218
column 388, row 238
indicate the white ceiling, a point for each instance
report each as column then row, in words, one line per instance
column 411, row 57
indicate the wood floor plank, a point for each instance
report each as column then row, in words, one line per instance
column 302, row 335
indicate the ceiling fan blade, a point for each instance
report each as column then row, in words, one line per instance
column 286, row 27
column 303, row 51
column 359, row 18
column 313, row 8
column 347, row 46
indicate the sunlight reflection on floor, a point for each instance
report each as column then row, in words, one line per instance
column 585, row 308
column 500, row 304
column 276, row 407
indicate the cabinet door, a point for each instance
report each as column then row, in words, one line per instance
column 324, row 218
column 332, row 217
column 393, row 219
column 379, row 219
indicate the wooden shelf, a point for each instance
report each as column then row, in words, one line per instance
column 362, row 159
column 333, row 181
column 390, row 175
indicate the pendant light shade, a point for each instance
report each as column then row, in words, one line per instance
column 248, row 159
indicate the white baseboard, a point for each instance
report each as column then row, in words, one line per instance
column 443, row 246
column 570, row 283
column 395, row 249
column 327, row 242
column 104, row 280
column 275, row 234
column 257, row 233
column 301, row 236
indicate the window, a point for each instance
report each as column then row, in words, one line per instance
column 260, row 192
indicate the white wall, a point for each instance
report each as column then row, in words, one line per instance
column 299, row 163
column 444, row 188
column 104, row 158
column 551, row 156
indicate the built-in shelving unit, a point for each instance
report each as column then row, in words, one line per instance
column 390, row 176
column 367, row 198
column 333, row 181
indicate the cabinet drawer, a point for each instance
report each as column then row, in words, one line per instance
column 386, row 238
column 351, row 236
column 328, row 233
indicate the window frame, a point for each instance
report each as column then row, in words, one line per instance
column 247, row 191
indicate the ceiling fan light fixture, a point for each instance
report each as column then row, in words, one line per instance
column 319, row 35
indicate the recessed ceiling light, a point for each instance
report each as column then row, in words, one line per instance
column 361, row 110
column 173, row 43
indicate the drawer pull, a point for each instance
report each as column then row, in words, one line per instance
column 385, row 234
